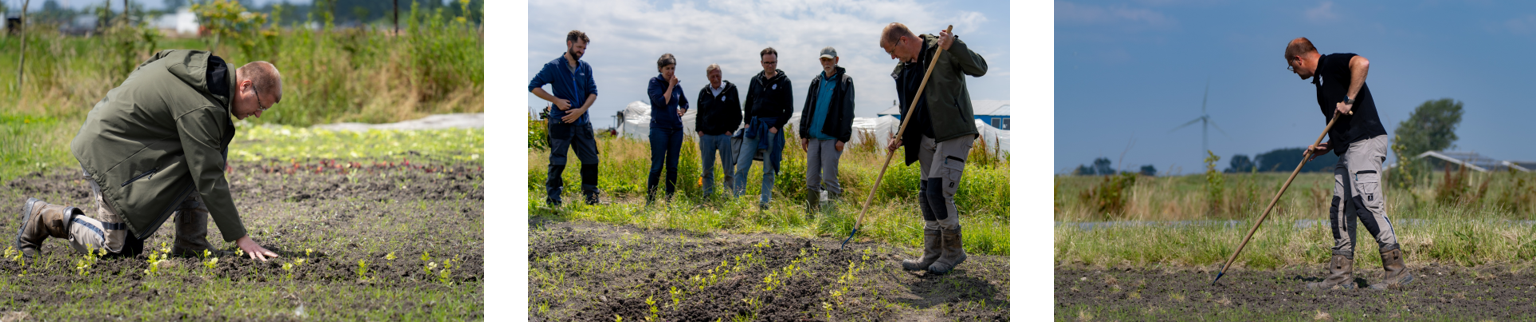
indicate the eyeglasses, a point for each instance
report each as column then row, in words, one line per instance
column 259, row 104
column 771, row 62
column 1290, row 68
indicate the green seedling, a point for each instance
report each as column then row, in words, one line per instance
column 362, row 270
column 651, row 302
column 390, row 256
column 83, row 265
column 445, row 274
column 677, row 296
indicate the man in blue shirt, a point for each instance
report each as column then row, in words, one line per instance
column 826, row 123
column 569, row 126
column 1361, row 144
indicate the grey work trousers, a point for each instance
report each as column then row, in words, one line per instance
column 941, row 164
column 821, row 168
column 1357, row 179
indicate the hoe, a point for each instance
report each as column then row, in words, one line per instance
column 892, row 153
column 1306, row 156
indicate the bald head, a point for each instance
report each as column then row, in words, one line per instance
column 891, row 42
column 1299, row 46
column 894, row 31
column 264, row 76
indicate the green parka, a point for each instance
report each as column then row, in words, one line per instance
column 160, row 137
column 948, row 100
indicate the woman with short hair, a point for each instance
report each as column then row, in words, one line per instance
column 667, row 107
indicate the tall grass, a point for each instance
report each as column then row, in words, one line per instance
column 982, row 198
column 1507, row 195
column 1449, row 241
column 329, row 75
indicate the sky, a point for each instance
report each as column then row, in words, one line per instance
column 628, row 37
column 1128, row 72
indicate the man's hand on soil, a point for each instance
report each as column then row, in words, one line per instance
column 252, row 249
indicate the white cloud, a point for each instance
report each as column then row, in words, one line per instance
column 1322, row 13
column 1524, row 25
column 628, row 36
column 1090, row 14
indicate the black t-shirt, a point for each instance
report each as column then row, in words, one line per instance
column 908, row 80
column 1332, row 81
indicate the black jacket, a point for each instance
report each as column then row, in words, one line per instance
column 839, row 123
column 719, row 114
column 770, row 98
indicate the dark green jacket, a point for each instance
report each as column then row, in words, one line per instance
column 948, row 100
column 160, row 137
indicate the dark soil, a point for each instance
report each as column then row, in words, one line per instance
column 1437, row 293
column 332, row 215
column 590, row 272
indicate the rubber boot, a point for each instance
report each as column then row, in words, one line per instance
column 812, row 201
column 953, row 253
column 932, row 248
column 1340, row 274
column 589, row 183
column 1396, row 274
column 191, row 233
column 40, row 220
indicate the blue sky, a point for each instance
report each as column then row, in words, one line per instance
column 628, row 37
column 1128, row 72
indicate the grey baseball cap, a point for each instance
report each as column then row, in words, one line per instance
column 828, row 52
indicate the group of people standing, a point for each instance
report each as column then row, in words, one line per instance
column 939, row 137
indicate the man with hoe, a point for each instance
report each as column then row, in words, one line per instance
column 155, row 148
column 1360, row 141
column 939, row 134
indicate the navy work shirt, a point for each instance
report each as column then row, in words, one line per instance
column 571, row 85
column 1332, row 81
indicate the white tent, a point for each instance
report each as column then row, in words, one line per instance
column 637, row 126
column 637, row 121
column 995, row 139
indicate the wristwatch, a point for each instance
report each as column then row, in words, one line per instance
column 1349, row 101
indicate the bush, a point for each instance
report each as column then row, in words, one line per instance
column 538, row 135
column 1108, row 197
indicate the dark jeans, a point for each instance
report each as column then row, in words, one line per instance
column 665, row 145
column 577, row 137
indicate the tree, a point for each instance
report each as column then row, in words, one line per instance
column 1285, row 159
column 1101, row 167
column 1240, row 163
column 1431, row 127
column 1148, row 170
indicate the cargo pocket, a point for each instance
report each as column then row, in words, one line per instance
column 1368, row 188
column 953, row 167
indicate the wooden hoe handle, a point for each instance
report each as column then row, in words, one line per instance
column 892, row 153
column 1305, row 156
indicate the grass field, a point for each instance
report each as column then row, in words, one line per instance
column 1149, row 248
column 1465, row 219
column 377, row 225
column 982, row 199
column 720, row 258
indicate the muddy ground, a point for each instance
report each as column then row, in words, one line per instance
column 1438, row 292
column 331, row 214
column 581, row 271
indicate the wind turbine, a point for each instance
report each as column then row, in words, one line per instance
column 1204, row 119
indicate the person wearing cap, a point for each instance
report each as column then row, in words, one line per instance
column 826, row 123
